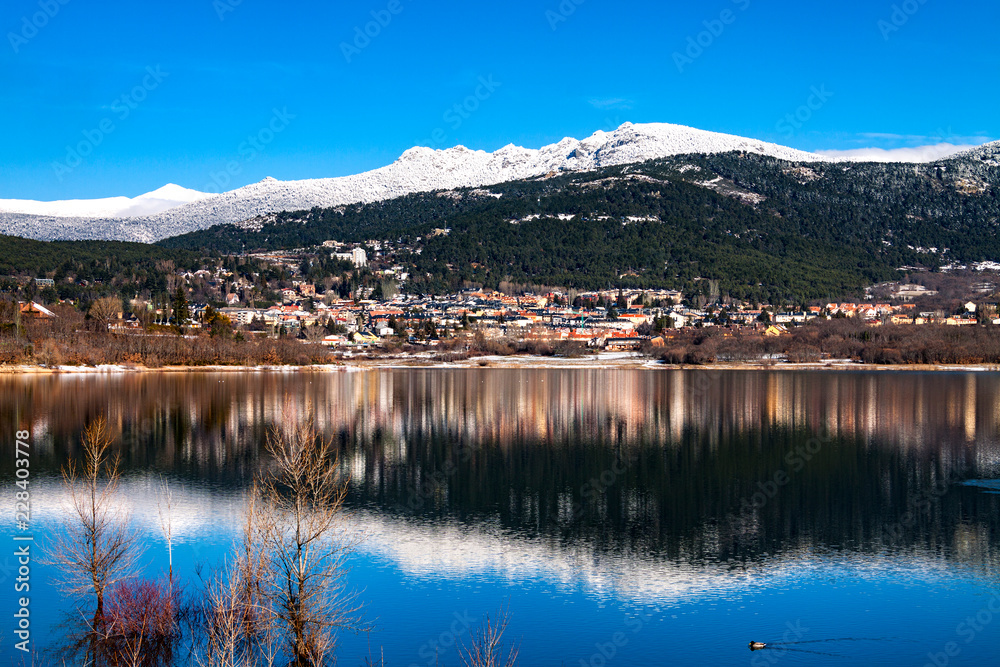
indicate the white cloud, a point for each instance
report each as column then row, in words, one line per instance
column 928, row 153
column 941, row 137
column 611, row 103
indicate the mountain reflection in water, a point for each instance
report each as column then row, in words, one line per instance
column 651, row 486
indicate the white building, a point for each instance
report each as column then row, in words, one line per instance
column 245, row 317
column 358, row 256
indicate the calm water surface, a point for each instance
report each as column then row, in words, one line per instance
column 625, row 517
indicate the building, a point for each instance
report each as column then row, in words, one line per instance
column 34, row 311
column 620, row 342
column 358, row 256
column 335, row 341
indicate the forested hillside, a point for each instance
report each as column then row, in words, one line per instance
column 761, row 227
column 103, row 262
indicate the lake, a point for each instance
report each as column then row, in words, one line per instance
column 624, row 517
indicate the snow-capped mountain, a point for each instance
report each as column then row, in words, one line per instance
column 165, row 198
column 417, row 170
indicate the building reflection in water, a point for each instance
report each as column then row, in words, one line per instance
column 659, row 464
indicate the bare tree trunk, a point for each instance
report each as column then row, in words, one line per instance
column 486, row 648
column 302, row 529
column 239, row 623
column 97, row 546
column 166, row 507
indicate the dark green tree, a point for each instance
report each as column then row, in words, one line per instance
column 182, row 310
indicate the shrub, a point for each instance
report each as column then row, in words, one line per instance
column 139, row 625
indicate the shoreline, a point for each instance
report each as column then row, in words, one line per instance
column 603, row 361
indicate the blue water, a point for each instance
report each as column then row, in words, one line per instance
column 842, row 611
column 882, row 549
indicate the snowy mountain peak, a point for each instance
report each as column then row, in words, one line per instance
column 418, row 169
column 159, row 200
column 174, row 192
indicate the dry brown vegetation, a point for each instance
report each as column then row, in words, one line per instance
column 838, row 339
column 71, row 340
column 285, row 592
column 281, row 600
column 125, row 620
column 487, row 647
column 96, row 547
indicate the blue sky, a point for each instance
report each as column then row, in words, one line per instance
column 157, row 92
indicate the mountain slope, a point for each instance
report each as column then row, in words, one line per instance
column 759, row 225
column 417, row 170
column 165, row 198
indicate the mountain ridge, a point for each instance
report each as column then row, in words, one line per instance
column 418, row 169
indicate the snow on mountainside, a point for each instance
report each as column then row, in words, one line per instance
column 987, row 153
column 168, row 197
column 417, row 170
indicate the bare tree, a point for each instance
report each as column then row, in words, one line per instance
column 143, row 313
column 106, row 310
column 97, row 546
column 486, row 648
column 140, row 625
column 226, row 637
column 303, row 532
column 165, row 508
column 239, row 626
column 314, row 333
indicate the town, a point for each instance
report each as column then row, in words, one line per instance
column 379, row 312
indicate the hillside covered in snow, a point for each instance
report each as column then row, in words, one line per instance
column 173, row 210
column 160, row 200
column 417, row 170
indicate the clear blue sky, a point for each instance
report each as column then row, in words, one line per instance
column 933, row 79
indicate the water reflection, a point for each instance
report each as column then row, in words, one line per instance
column 665, row 488
column 194, row 415
column 695, row 466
